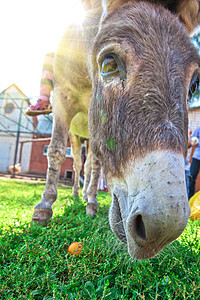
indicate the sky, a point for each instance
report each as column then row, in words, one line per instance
column 28, row 30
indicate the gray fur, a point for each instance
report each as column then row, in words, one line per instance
column 137, row 116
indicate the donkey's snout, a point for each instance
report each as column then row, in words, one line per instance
column 150, row 232
column 147, row 229
column 136, row 228
column 147, row 212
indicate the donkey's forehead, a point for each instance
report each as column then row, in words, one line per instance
column 139, row 22
column 143, row 30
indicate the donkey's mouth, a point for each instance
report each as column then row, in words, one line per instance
column 116, row 220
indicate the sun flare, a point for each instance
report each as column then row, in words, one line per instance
column 76, row 12
column 66, row 13
column 34, row 29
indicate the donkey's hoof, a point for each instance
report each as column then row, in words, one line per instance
column 91, row 209
column 75, row 193
column 42, row 216
column 85, row 198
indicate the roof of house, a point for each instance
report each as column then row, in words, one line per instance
column 4, row 93
column 13, row 104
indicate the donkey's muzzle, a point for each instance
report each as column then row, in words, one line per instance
column 151, row 210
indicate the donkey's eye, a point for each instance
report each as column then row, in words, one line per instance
column 109, row 66
column 194, row 85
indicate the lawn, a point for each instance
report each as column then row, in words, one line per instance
column 34, row 263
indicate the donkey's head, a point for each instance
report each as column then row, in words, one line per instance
column 143, row 68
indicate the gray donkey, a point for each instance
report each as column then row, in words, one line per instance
column 138, row 61
column 90, row 178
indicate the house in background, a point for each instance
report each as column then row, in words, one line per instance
column 33, row 135
column 194, row 117
column 15, row 127
column 25, row 139
column 194, row 110
column 38, row 161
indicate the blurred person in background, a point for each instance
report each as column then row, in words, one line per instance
column 195, row 165
column 43, row 105
column 187, row 161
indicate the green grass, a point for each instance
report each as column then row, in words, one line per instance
column 34, row 263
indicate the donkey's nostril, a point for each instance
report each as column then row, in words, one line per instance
column 139, row 227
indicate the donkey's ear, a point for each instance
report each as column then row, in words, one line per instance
column 187, row 10
column 87, row 4
column 189, row 13
column 109, row 5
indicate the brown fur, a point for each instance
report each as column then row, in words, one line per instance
column 187, row 10
column 168, row 125
column 189, row 13
column 15, row 169
column 137, row 115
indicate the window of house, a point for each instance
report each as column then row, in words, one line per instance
column 9, row 107
column 69, row 152
column 68, row 174
column 45, row 149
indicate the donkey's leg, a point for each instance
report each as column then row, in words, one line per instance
column 92, row 205
column 76, row 152
column 87, row 173
column 56, row 155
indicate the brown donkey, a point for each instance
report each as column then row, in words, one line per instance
column 143, row 69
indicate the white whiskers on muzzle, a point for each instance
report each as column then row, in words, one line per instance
column 153, row 209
